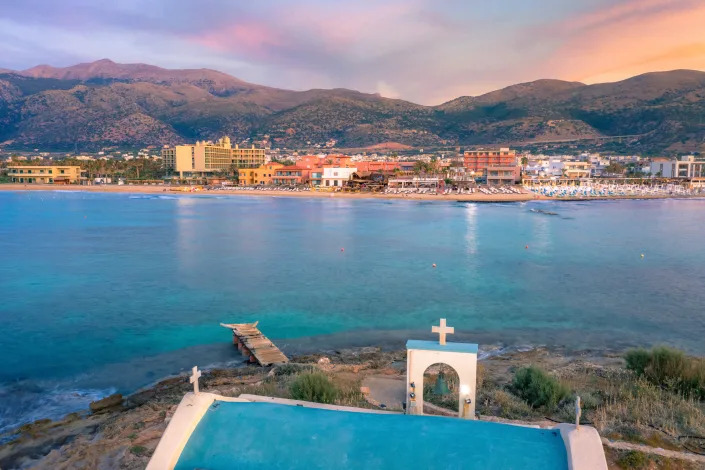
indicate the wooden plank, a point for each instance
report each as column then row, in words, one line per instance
column 253, row 343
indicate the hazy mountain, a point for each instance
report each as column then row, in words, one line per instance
column 104, row 103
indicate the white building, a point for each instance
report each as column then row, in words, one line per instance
column 336, row 177
column 686, row 167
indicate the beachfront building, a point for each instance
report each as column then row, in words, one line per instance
column 576, row 170
column 336, row 177
column 686, row 167
column 209, row 430
column 290, row 176
column 503, row 175
column 37, row 174
column 476, row 162
column 316, row 177
column 415, row 182
column 204, row 158
column 262, row 175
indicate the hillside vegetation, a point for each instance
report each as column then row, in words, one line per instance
column 104, row 103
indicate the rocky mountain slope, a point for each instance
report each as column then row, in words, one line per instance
column 103, row 103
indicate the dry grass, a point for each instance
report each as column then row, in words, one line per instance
column 623, row 406
column 501, row 403
column 634, row 460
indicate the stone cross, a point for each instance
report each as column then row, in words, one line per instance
column 578, row 412
column 442, row 331
column 194, row 379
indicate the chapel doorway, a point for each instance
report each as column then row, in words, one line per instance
column 440, row 390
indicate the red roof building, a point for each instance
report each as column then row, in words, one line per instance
column 291, row 175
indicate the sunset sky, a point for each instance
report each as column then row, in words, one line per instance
column 420, row 50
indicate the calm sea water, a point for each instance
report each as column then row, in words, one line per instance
column 105, row 292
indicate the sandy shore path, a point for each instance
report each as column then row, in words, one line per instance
column 239, row 192
column 476, row 197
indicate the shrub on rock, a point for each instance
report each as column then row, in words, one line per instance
column 538, row 388
column 313, row 386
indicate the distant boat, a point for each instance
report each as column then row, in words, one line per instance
column 541, row 211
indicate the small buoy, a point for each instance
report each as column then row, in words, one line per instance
column 642, row 255
column 434, row 265
column 526, row 247
column 342, row 249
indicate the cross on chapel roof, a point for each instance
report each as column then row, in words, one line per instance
column 442, row 331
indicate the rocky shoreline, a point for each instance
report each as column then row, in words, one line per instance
column 122, row 433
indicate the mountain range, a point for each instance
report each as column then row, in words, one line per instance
column 103, row 103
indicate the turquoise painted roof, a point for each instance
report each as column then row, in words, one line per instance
column 436, row 346
column 272, row 436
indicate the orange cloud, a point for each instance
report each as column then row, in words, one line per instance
column 633, row 38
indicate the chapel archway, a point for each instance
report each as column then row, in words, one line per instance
column 441, row 385
column 461, row 357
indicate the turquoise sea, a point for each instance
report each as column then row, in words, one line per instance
column 110, row 292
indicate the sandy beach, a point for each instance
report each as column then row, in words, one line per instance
column 239, row 192
column 475, row 197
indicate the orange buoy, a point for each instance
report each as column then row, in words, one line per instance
column 526, row 247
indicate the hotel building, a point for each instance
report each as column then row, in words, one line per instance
column 38, row 174
column 686, row 167
column 477, row 161
column 205, row 158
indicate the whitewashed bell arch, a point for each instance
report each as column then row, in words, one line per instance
column 462, row 357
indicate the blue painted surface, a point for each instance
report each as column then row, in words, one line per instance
column 265, row 435
column 110, row 292
column 436, row 346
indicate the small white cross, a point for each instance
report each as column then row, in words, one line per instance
column 194, row 379
column 442, row 331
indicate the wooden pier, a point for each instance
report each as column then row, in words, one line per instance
column 253, row 344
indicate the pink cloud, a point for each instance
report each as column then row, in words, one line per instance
column 252, row 38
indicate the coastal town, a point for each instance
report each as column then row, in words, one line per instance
column 222, row 165
column 350, row 235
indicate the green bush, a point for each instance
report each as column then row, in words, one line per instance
column 638, row 360
column 633, row 460
column 669, row 368
column 537, row 388
column 138, row 450
column 313, row 386
column 666, row 365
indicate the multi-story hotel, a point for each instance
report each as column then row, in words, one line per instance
column 477, row 161
column 204, row 158
column 38, row 174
